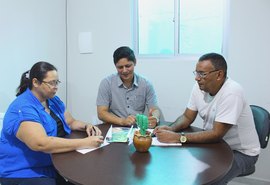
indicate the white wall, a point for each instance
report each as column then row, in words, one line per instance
column 33, row 30
column 30, row 31
column 248, row 61
column 86, row 70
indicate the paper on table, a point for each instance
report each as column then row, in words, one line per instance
column 130, row 135
column 155, row 142
column 105, row 143
column 109, row 134
column 86, row 150
column 150, row 130
column 119, row 134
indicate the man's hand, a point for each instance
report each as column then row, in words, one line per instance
column 128, row 121
column 163, row 127
column 153, row 117
column 152, row 122
column 167, row 136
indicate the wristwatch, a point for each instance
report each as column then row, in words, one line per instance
column 156, row 118
column 183, row 138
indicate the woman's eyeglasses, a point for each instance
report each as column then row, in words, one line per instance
column 53, row 83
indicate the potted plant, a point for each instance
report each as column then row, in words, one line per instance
column 142, row 138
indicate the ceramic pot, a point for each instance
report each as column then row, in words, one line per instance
column 142, row 143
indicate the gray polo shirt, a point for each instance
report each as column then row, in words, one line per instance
column 123, row 101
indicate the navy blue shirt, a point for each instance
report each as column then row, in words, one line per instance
column 17, row 160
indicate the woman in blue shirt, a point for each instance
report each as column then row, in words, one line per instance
column 33, row 128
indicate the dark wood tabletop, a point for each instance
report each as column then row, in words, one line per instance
column 120, row 164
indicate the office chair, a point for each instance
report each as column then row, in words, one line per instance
column 262, row 123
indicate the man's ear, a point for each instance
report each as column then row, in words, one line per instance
column 220, row 74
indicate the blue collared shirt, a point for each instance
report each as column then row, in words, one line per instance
column 16, row 159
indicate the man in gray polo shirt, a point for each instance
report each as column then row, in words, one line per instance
column 123, row 95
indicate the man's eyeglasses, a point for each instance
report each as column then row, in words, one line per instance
column 203, row 74
column 53, row 83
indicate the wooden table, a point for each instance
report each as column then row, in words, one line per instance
column 120, row 164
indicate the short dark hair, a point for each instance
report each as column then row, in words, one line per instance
column 217, row 60
column 123, row 52
column 39, row 71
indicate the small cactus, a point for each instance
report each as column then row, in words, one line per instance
column 142, row 122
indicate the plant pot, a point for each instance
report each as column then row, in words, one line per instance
column 142, row 143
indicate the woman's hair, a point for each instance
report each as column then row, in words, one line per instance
column 38, row 71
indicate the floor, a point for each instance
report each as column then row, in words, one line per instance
column 247, row 181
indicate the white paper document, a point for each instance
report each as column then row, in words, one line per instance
column 108, row 135
column 86, row 150
column 105, row 143
column 130, row 135
column 155, row 142
column 120, row 135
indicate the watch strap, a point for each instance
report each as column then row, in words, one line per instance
column 156, row 118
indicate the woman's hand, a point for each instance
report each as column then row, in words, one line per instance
column 93, row 141
column 92, row 130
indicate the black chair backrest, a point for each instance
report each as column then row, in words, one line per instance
column 262, row 123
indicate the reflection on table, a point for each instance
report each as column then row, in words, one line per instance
column 120, row 164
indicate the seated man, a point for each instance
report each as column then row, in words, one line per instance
column 226, row 115
column 123, row 95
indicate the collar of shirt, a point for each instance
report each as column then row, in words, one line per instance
column 120, row 82
column 37, row 102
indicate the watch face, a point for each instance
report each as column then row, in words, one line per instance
column 183, row 139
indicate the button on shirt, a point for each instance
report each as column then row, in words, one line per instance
column 123, row 101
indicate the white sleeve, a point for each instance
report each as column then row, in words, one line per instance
column 229, row 109
column 192, row 99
